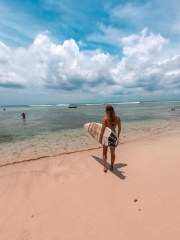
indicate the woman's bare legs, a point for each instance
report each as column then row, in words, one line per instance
column 105, row 149
column 112, row 158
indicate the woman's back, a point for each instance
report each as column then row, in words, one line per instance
column 112, row 123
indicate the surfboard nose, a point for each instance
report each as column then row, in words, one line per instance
column 86, row 126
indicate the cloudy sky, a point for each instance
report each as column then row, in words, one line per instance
column 72, row 51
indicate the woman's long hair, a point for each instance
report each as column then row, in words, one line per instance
column 111, row 113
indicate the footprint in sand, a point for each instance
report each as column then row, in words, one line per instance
column 68, row 171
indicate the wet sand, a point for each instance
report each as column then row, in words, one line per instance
column 70, row 197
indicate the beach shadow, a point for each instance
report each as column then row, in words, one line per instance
column 116, row 171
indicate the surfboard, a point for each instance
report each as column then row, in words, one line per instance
column 109, row 137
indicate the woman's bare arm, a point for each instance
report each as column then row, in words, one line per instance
column 119, row 126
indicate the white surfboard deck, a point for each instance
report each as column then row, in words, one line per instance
column 109, row 137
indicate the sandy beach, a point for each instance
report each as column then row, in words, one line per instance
column 70, row 197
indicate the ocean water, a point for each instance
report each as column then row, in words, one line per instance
column 50, row 130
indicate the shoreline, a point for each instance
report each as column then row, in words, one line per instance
column 138, row 137
column 70, row 197
column 54, row 131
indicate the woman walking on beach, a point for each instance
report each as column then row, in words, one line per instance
column 111, row 120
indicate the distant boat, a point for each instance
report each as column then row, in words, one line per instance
column 72, row 106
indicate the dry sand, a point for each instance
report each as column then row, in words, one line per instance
column 70, row 197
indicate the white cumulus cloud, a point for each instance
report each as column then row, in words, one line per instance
column 147, row 67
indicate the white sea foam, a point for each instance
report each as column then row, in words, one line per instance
column 125, row 103
column 43, row 105
column 62, row 105
column 93, row 104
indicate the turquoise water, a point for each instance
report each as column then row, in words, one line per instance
column 53, row 129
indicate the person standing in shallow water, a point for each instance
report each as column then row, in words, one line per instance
column 111, row 120
column 23, row 115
